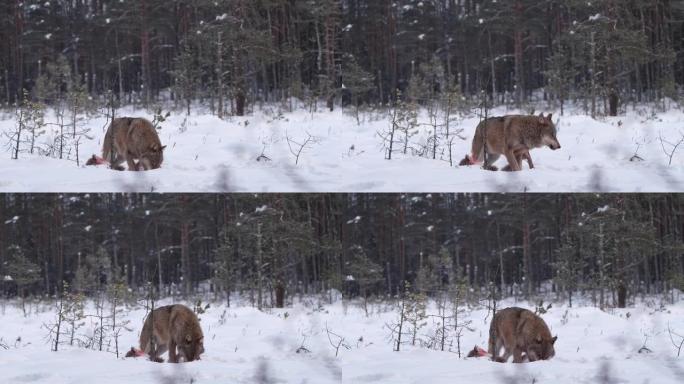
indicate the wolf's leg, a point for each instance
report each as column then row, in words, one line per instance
column 517, row 355
column 525, row 154
column 173, row 355
column 504, row 358
column 506, row 352
column 491, row 159
column 519, row 159
column 497, row 346
column 144, row 165
column 512, row 161
column 492, row 348
column 161, row 349
column 529, row 159
column 153, row 351
column 116, row 161
column 521, row 154
column 132, row 166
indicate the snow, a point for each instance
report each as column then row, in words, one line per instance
column 603, row 209
column 240, row 341
column 206, row 154
column 13, row 220
column 355, row 220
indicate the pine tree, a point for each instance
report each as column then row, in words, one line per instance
column 30, row 126
column 415, row 312
column 22, row 271
column 364, row 271
column 358, row 82
column 186, row 74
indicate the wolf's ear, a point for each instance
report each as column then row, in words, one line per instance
column 542, row 119
column 550, row 117
column 553, row 341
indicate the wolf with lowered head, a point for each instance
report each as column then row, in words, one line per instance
column 174, row 328
column 130, row 139
column 520, row 333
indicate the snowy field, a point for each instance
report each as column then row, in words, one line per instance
column 206, row 154
column 244, row 345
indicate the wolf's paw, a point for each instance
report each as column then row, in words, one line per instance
column 492, row 168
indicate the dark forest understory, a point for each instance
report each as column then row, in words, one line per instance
column 612, row 247
column 234, row 53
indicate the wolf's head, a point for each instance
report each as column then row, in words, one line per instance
column 548, row 132
column 192, row 345
column 541, row 348
column 153, row 157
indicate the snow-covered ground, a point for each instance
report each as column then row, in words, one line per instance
column 244, row 345
column 206, row 154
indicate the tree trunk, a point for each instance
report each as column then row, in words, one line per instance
column 519, row 57
column 280, row 294
column 527, row 262
column 621, row 294
column 185, row 257
column 613, row 101
column 219, row 74
column 593, row 74
column 118, row 66
column 259, row 262
column 492, row 68
column 145, row 52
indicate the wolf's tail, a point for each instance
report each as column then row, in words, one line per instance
column 108, row 146
column 477, row 152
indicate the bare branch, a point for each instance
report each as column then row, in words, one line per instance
column 673, row 334
column 298, row 151
column 674, row 146
column 338, row 343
